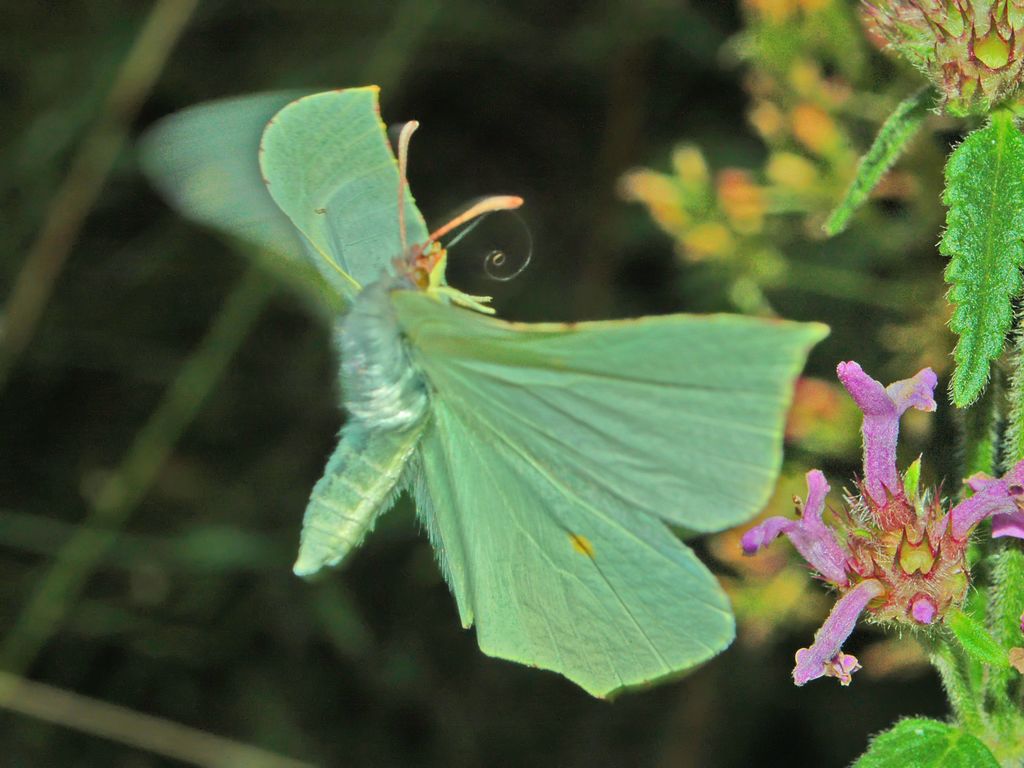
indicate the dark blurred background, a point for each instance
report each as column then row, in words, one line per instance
column 172, row 407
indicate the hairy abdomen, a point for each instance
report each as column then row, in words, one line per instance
column 380, row 386
column 359, row 484
column 386, row 402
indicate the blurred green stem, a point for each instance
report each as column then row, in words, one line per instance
column 89, row 170
column 623, row 126
column 1005, row 608
column 961, row 694
column 198, row 549
column 153, row 734
column 410, row 27
column 979, row 430
column 1013, row 440
column 848, row 285
column 127, row 485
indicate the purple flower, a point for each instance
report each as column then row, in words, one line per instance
column 896, row 557
column 1004, row 523
column 825, row 657
column 992, row 498
column 882, row 407
column 1011, row 524
column 811, row 537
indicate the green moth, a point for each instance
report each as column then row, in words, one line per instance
column 546, row 461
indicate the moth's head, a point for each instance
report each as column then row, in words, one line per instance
column 424, row 268
column 424, row 264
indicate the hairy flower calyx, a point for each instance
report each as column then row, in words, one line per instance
column 894, row 553
column 973, row 50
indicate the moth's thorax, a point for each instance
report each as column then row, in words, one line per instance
column 380, row 385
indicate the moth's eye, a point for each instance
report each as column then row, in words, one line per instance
column 420, row 277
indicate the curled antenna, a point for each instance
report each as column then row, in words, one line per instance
column 403, row 161
column 496, row 260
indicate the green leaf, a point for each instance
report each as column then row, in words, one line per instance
column 976, row 640
column 923, row 743
column 983, row 239
column 912, row 480
column 893, row 137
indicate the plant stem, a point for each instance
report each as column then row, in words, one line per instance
column 127, row 485
column 848, row 285
column 979, row 430
column 961, row 694
column 153, row 734
column 89, row 170
column 1013, row 439
column 1005, row 608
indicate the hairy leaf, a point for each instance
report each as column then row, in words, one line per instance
column 893, row 137
column 924, row 743
column 975, row 639
column 983, row 239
